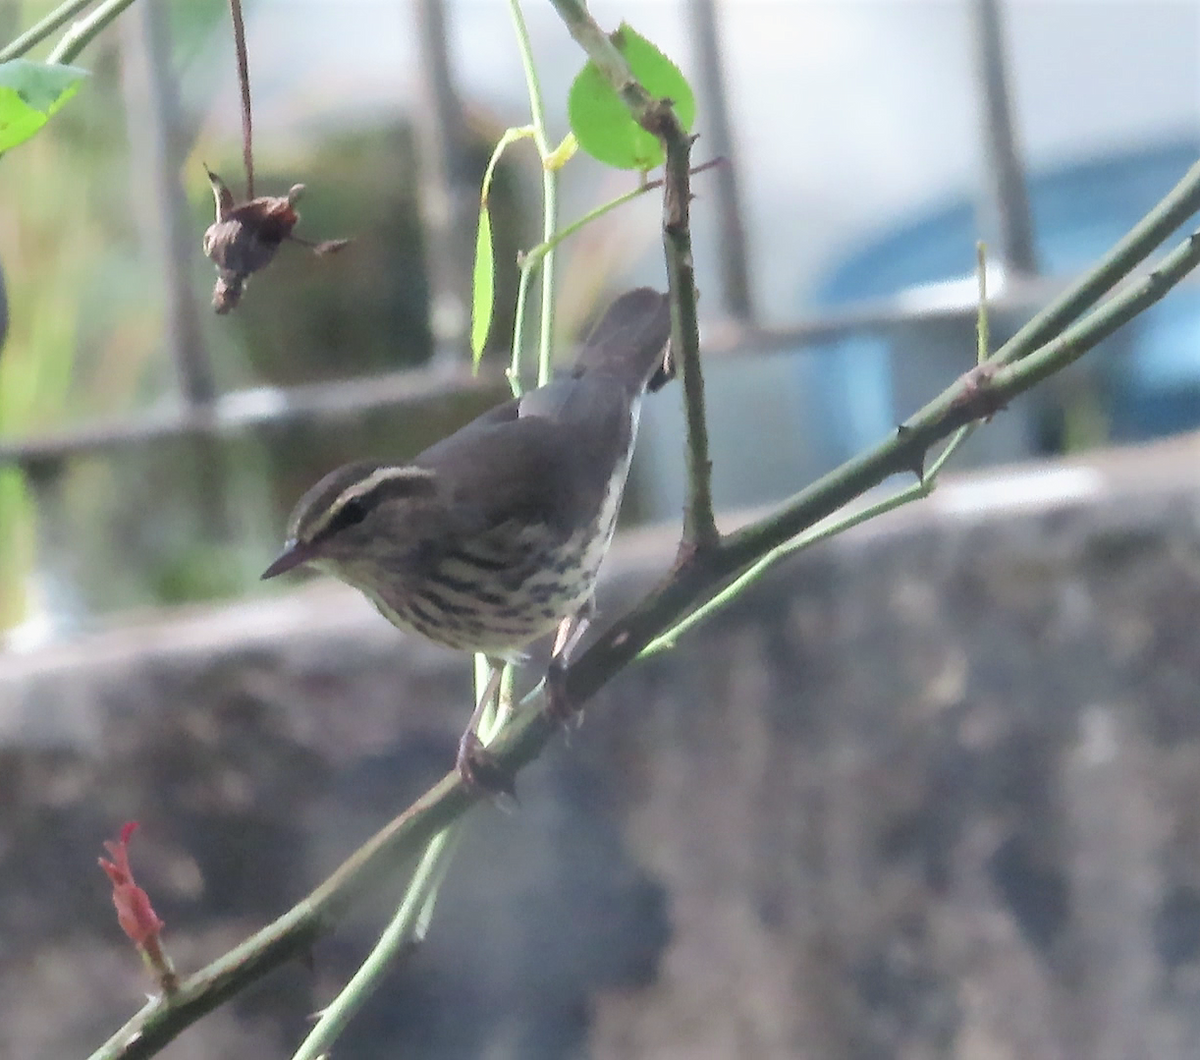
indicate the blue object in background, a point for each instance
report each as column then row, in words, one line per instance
column 1150, row 388
column 780, row 420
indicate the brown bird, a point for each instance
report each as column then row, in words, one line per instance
column 494, row 536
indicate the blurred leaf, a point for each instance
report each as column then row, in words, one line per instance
column 483, row 286
column 29, row 94
column 601, row 121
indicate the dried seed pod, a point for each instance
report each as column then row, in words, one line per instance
column 245, row 237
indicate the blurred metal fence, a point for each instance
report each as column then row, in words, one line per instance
column 449, row 201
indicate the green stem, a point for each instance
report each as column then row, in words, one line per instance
column 37, row 33
column 822, row 532
column 537, row 112
column 80, row 35
column 1133, row 248
column 957, row 439
column 755, row 572
column 514, row 368
column 971, row 397
column 536, row 254
column 405, row 930
column 546, row 331
column 1075, row 341
column 511, row 136
column 983, row 333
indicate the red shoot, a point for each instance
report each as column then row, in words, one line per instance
column 135, row 914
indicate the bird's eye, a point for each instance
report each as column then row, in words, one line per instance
column 350, row 513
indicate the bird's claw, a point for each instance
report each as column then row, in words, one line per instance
column 558, row 702
column 480, row 770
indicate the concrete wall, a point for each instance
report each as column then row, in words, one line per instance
column 933, row 790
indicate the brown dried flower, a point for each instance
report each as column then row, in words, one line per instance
column 245, row 237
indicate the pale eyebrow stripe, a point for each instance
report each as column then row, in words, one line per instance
column 377, row 478
column 367, row 486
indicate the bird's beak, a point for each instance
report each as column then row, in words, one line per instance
column 294, row 553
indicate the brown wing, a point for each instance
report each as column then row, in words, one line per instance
column 538, row 467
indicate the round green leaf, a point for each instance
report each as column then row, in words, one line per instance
column 601, row 121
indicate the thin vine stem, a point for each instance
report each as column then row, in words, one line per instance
column 83, row 32
column 514, row 368
column 40, row 31
column 537, row 113
column 535, row 254
column 404, row 930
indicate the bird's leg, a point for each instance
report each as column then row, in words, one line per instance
column 570, row 633
column 474, row 764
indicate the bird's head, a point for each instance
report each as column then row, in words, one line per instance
column 343, row 522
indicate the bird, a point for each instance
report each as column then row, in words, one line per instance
column 493, row 537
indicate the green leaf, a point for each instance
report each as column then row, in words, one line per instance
column 601, row 121
column 483, row 286
column 29, row 94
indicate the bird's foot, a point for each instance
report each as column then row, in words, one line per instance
column 559, row 708
column 480, row 770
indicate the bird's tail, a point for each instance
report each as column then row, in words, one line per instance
column 630, row 341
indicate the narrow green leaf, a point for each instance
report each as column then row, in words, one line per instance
column 483, row 287
column 29, row 94
column 601, row 121
column 483, row 284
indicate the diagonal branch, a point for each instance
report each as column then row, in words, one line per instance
column 292, row 935
column 1019, row 364
column 1130, row 250
column 977, row 394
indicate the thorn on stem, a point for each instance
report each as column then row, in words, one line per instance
column 917, row 464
